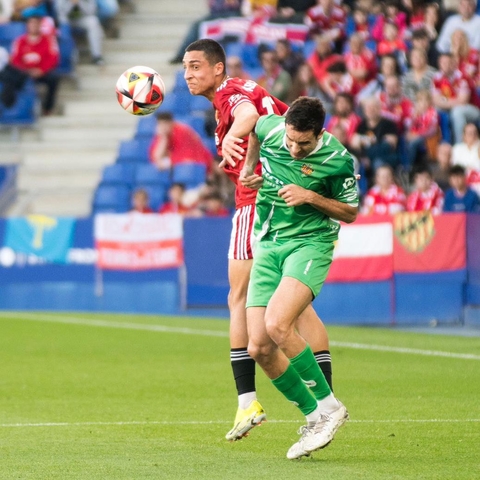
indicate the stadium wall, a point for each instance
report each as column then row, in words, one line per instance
column 31, row 283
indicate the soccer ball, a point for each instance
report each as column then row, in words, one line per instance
column 140, row 90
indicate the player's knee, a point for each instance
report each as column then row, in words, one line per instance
column 277, row 331
column 259, row 351
column 237, row 297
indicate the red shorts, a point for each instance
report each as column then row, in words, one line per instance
column 242, row 232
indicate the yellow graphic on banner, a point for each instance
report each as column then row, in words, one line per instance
column 414, row 230
column 40, row 223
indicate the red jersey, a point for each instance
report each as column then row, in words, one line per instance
column 431, row 200
column 350, row 124
column 399, row 112
column 320, row 21
column 184, row 145
column 231, row 93
column 364, row 60
column 450, row 87
column 386, row 47
column 320, row 65
column 426, row 123
column 389, row 203
column 41, row 53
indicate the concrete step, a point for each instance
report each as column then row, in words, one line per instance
column 82, row 134
column 41, row 180
column 59, row 162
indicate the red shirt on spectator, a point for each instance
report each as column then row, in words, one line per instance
column 170, row 207
column 40, row 53
column 320, row 65
column 424, row 124
column 431, row 200
column 320, row 21
column 389, row 203
column 399, row 112
column 450, row 87
column 350, row 124
column 365, row 60
column 185, row 145
column 386, row 47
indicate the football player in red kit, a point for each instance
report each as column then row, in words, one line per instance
column 238, row 104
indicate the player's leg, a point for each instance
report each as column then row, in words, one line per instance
column 249, row 412
column 313, row 330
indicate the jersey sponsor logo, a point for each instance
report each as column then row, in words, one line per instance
column 235, row 99
column 414, row 230
column 249, row 86
column 306, row 169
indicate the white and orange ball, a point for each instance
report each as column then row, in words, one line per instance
column 140, row 90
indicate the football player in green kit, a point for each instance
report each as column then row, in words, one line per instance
column 309, row 186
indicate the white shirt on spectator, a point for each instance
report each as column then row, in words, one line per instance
column 467, row 157
column 471, row 27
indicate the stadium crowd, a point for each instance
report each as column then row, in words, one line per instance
column 400, row 80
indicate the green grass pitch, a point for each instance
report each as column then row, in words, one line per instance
column 143, row 397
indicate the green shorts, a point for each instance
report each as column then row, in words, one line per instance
column 305, row 260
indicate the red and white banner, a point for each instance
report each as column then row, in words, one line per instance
column 136, row 241
column 364, row 251
column 254, row 32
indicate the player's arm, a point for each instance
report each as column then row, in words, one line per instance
column 294, row 195
column 245, row 117
column 247, row 176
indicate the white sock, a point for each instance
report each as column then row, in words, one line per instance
column 328, row 404
column 245, row 399
column 313, row 417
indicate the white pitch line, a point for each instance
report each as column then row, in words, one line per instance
column 218, row 422
column 217, row 333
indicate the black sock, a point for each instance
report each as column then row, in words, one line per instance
column 243, row 367
column 324, row 361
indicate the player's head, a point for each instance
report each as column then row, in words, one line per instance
column 304, row 126
column 204, row 63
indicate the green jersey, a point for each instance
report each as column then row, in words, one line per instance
column 327, row 170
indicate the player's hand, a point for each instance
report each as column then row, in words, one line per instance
column 252, row 181
column 294, row 195
column 231, row 151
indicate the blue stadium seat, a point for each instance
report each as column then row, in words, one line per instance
column 112, row 198
column 148, row 174
column 135, row 151
column 157, row 195
column 210, row 144
column 146, row 127
column 180, row 83
column 177, row 103
column 119, row 174
column 250, row 56
column 68, row 51
column 195, row 121
column 308, row 48
column 190, row 174
column 234, row 49
column 198, row 103
column 24, row 111
column 9, row 32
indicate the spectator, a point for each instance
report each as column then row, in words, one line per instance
column 421, row 41
column 425, row 17
column 83, row 14
column 337, row 80
column 235, row 68
column 452, row 94
column 258, row 8
column 292, row 11
column 460, row 198
column 388, row 66
column 212, row 206
column 107, row 13
column 376, row 138
column 385, row 197
column 217, row 9
column 141, row 201
column 289, row 59
column 36, row 56
column 466, row 20
column 467, row 153
column 395, row 105
column 305, row 84
column 175, row 142
column 344, row 114
column 440, row 165
column 419, row 76
column 360, row 24
column 176, row 202
column 323, row 57
column 329, row 19
column 274, row 79
column 423, row 131
column 6, row 11
column 361, row 63
column 393, row 15
column 393, row 44
column 427, row 195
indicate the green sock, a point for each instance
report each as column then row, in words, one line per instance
column 290, row 384
column 309, row 371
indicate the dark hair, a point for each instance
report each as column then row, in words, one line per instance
column 214, row 52
column 456, row 170
column 305, row 114
column 419, row 33
column 347, row 96
column 178, row 184
column 337, row 67
column 421, row 168
column 167, row 116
